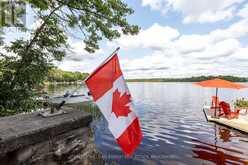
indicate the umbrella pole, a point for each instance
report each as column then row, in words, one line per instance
column 216, row 94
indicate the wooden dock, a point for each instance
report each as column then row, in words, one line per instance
column 240, row 124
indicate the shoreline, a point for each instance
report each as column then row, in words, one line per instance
column 64, row 83
column 129, row 81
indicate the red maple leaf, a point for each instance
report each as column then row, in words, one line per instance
column 119, row 104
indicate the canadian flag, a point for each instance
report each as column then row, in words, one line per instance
column 111, row 94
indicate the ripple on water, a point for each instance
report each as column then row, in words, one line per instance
column 174, row 128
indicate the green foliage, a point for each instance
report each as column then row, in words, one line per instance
column 96, row 19
column 57, row 75
column 28, row 69
column 191, row 79
column 241, row 103
column 10, row 12
column 28, row 61
column 89, row 107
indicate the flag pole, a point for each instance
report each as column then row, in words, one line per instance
column 104, row 62
column 58, row 107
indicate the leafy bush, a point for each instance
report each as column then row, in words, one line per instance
column 57, row 75
column 241, row 103
column 28, row 60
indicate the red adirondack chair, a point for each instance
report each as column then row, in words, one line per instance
column 215, row 105
column 215, row 102
column 227, row 110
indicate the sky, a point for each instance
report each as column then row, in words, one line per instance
column 178, row 38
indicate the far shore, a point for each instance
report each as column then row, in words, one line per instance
column 188, row 79
column 191, row 79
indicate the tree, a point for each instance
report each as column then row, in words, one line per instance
column 23, row 71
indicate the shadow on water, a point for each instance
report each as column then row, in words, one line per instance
column 174, row 128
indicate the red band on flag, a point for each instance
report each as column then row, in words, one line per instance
column 103, row 78
column 130, row 138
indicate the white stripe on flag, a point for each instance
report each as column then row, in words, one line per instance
column 116, row 125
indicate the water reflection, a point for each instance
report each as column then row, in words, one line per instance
column 60, row 89
column 225, row 134
column 216, row 154
column 174, row 128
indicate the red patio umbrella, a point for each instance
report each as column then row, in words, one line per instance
column 219, row 83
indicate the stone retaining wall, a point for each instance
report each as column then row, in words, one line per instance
column 60, row 140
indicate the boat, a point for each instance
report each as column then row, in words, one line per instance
column 71, row 99
column 70, row 96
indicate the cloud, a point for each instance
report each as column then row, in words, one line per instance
column 170, row 53
column 154, row 37
column 236, row 30
column 244, row 11
column 146, row 63
column 153, row 65
column 201, row 11
column 191, row 43
column 159, row 37
column 223, row 48
column 148, row 69
column 76, row 51
column 77, row 58
column 241, row 55
column 183, row 55
column 160, row 5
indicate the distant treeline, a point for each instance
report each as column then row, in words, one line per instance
column 57, row 75
column 191, row 79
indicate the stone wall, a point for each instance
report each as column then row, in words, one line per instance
column 60, row 140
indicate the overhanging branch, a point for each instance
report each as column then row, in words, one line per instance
column 37, row 32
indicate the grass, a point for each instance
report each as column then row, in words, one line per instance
column 89, row 107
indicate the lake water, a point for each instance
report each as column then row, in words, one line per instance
column 174, row 128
